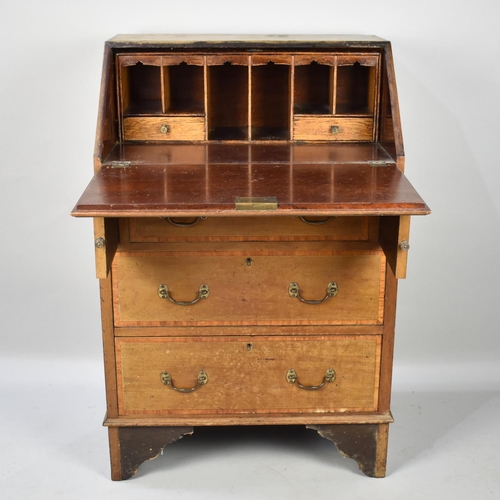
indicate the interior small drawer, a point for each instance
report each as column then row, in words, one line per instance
column 142, row 230
column 250, row 284
column 166, row 128
column 327, row 128
column 248, row 375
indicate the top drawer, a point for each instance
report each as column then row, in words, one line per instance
column 156, row 230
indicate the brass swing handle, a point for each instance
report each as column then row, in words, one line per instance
column 183, row 224
column 331, row 290
column 203, row 293
column 166, row 379
column 292, row 378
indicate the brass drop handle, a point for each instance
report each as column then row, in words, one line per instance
column 331, row 290
column 314, row 222
column 165, row 129
column 166, row 379
column 292, row 378
column 183, row 224
column 203, row 293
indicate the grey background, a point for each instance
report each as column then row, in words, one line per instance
column 447, row 369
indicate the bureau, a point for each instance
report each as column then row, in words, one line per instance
column 251, row 218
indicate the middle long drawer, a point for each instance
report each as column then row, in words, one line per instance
column 259, row 285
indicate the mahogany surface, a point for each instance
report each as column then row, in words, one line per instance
column 343, row 189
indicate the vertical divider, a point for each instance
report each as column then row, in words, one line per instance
column 163, row 85
column 334, row 86
column 205, row 96
column 250, row 168
column 249, row 98
column 292, row 104
column 207, row 173
column 376, row 96
column 291, row 88
column 119, row 93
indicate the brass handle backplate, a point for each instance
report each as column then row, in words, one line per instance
column 203, row 293
column 202, row 379
column 292, row 378
column 181, row 223
column 331, row 290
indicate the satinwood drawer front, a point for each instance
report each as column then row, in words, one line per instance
column 247, row 375
column 166, row 128
column 248, row 229
column 268, row 284
column 327, row 128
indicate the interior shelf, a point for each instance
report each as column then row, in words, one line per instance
column 270, row 102
column 183, row 89
column 253, row 98
column 314, row 89
column 227, row 102
column 355, row 89
column 141, row 89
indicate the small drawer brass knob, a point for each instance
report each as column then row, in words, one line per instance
column 335, row 129
column 164, row 129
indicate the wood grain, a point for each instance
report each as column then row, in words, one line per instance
column 180, row 128
column 140, row 444
column 244, row 292
column 107, row 132
column 367, row 444
column 156, row 230
column 318, row 128
column 257, row 367
column 303, row 189
column 275, row 418
column 108, row 346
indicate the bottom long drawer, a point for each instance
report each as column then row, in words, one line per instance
column 230, row 375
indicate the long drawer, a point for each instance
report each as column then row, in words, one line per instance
column 247, row 375
column 166, row 229
column 259, row 284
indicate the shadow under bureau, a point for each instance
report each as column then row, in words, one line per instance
column 251, row 218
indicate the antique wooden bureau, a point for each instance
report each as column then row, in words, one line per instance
column 251, row 220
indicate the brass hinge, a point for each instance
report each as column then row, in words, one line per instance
column 378, row 163
column 120, row 164
column 256, row 203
